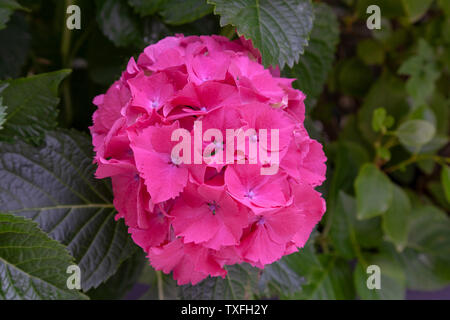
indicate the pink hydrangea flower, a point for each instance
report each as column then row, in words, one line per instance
column 193, row 219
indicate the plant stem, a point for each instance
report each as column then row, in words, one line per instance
column 160, row 283
column 415, row 158
column 65, row 59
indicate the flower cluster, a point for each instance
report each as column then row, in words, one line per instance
column 192, row 219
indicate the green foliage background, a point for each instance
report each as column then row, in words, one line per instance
column 378, row 100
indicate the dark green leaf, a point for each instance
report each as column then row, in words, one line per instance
column 31, row 105
column 326, row 277
column 240, row 283
column 2, row 107
column 371, row 52
column 123, row 280
column 54, row 185
column 373, row 192
column 117, row 22
column 178, row 12
column 279, row 280
column 396, row 218
column 348, row 234
column 354, row 77
column 415, row 9
column 14, row 55
column 32, row 265
column 392, row 279
column 388, row 92
column 423, row 71
column 427, row 257
column 146, row 7
column 313, row 67
column 278, row 28
column 7, row 8
column 445, row 178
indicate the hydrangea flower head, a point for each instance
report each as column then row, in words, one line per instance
column 239, row 200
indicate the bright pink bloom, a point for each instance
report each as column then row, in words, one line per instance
column 193, row 219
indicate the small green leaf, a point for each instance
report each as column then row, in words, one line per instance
column 445, row 179
column 32, row 265
column 278, row 28
column 384, row 153
column 379, row 116
column 178, row 12
column 415, row 133
column 373, row 192
column 31, row 105
column 396, row 218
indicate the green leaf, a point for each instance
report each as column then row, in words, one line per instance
column 145, row 7
column 427, row 256
column 2, row 107
column 392, row 279
column 279, row 280
column 278, row 28
column 240, row 283
column 423, row 71
column 15, row 54
column 178, row 12
column 379, row 116
column 326, row 277
column 123, row 280
column 32, row 265
column 354, row 77
column 373, row 192
column 7, row 8
column 415, row 9
column 371, row 52
column 445, row 5
column 387, row 92
column 313, row 67
column 415, row 133
column 117, row 22
column 54, row 185
column 170, row 289
column 445, row 179
column 396, row 218
column 348, row 234
column 350, row 157
column 31, row 105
